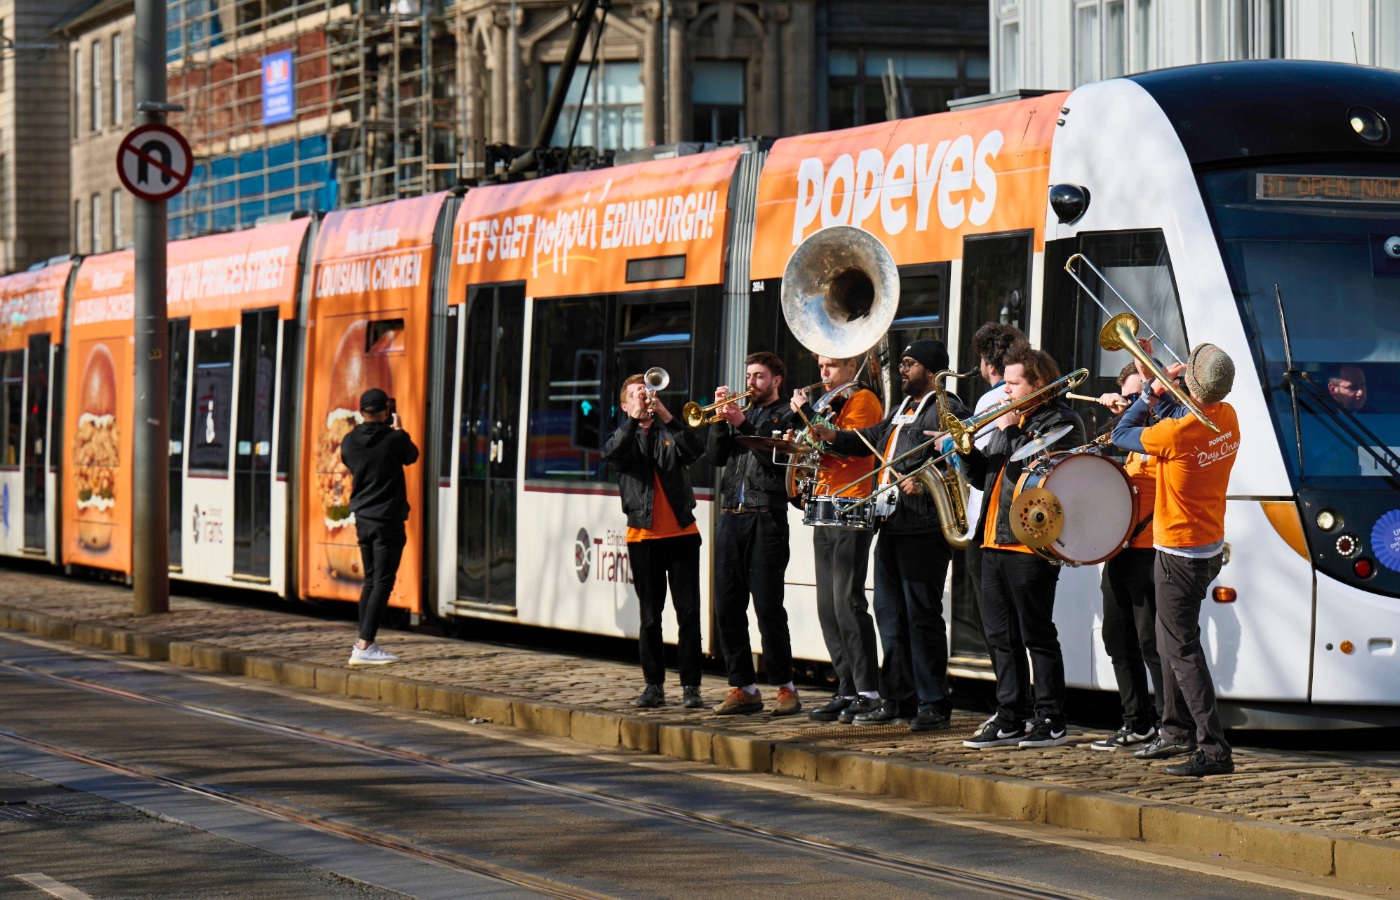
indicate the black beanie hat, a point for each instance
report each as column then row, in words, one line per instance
column 930, row 354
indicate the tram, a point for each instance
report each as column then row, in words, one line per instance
column 1255, row 205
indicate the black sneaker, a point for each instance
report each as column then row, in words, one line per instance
column 652, row 697
column 885, row 713
column 929, row 720
column 1199, row 764
column 1161, row 748
column 1047, row 733
column 1125, row 738
column 831, row 710
column 693, row 700
column 859, row 707
column 996, row 733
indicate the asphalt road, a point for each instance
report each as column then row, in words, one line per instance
column 192, row 786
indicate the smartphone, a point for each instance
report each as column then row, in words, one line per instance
column 393, row 413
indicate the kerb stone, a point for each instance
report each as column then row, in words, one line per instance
column 595, row 729
column 1105, row 814
column 738, row 751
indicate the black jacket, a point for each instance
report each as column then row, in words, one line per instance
column 985, row 466
column 913, row 513
column 375, row 454
column 640, row 455
column 765, row 484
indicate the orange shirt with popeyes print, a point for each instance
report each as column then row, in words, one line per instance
column 1193, row 471
column 861, row 411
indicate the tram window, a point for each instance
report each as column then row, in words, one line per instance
column 286, row 427
column 568, row 402
column 996, row 282
column 768, row 330
column 11, row 408
column 384, row 336
column 654, row 330
column 212, row 411
column 923, row 308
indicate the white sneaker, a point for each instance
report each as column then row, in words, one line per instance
column 373, row 655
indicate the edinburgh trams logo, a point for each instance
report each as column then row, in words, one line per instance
column 604, row 558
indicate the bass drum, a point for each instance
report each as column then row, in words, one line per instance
column 1097, row 501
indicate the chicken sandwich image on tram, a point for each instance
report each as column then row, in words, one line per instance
column 95, row 454
column 354, row 370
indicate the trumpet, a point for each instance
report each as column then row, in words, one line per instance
column 1120, row 333
column 696, row 415
column 655, row 380
column 962, row 431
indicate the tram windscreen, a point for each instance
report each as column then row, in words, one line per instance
column 1329, row 246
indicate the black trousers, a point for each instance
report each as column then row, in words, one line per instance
column 1188, row 691
column 654, row 562
column 751, row 557
column 381, row 547
column 1130, row 634
column 910, row 571
column 843, row 559
column 1018, row 607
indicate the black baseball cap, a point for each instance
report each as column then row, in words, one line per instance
column 374, row 400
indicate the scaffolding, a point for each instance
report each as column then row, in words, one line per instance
column 370, row 85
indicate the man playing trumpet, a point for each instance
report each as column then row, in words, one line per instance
column 911, row 558
column 843, row 554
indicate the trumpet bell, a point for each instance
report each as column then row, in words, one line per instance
column 840, row 291
column 656, row 379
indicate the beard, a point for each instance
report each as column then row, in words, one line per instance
column 914, row 387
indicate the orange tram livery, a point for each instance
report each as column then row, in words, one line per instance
column 503, row 318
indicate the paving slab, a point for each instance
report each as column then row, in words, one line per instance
column 1313, row 814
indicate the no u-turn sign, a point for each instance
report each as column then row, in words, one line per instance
column 154, row 162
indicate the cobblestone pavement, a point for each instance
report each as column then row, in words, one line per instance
column 1293, row 789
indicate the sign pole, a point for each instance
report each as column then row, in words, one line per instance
column 150, row 547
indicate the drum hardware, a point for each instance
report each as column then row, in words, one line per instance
column 696, row 415
column 1120, row 333
column 1038, row 445
column 1037, row 517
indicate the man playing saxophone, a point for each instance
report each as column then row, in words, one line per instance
column 911, row 557
column 843, row 554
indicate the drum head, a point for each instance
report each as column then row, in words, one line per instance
column 1098, row 502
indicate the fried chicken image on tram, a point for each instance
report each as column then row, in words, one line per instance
column 95, row 451
column 353, row 371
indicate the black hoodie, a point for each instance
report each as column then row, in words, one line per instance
column 375, row 454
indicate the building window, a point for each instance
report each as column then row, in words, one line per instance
column 96, row 213
column 1227, row 28
column 116, row 220
column 1144, row 36
column 77, row 226
column 611, row 117
column 1115, row 39
column 717, row 101
column 77, row 94
column 1387, row 32
column 1086, row 43
column 96, row 99
column 1009, row 57
column 116, row 79
column 867, row 84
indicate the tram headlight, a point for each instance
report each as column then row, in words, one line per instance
column 1327, row 520
column 1368, row 124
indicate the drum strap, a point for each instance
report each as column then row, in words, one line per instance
column 1141, row 526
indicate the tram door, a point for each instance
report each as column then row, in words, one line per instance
column 488, row 445
column 179, row 383
column 252, row 465
column 35, row 455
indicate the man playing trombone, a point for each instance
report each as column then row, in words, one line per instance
column 1018, row 586
column 843, row 554
column 751, row 540
column 911, row 557
column 651, row 452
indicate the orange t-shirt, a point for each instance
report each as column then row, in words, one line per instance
column 1142, row 472
column 989, row 537
column 663, row 519
column 1193, row 473
column 861, row 411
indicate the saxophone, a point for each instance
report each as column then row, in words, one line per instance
column 947, row 487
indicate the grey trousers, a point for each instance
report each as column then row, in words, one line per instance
column 1188, row 693
column 843, row 559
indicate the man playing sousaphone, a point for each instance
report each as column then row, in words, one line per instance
column 911, row 557
column 1018, row 586
column 843, row 554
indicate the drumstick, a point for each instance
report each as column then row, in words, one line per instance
column 1084, row 397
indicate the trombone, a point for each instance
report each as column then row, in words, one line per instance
column 696, row 415
column 1120, row 333
column 966, row 430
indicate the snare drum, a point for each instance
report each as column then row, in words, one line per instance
column 828, row 511
column 1097, row 499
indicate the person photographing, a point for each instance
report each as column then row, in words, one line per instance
column 375, row 452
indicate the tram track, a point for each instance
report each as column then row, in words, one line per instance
column 826, row 849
